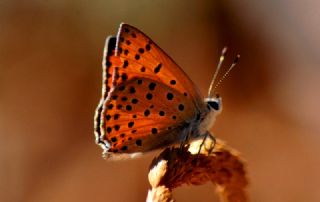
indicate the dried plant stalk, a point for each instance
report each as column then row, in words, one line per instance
column 175, row 166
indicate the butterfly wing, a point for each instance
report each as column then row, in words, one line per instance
column 143, row 114
column 148, row 101
column 107, row 69
column 144, row 57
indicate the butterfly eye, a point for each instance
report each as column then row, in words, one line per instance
column 214, row 104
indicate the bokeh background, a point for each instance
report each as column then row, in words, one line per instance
column 50, row 84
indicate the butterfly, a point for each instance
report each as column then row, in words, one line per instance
column 148, row 102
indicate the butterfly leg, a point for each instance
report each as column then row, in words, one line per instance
column 213, row 143
column 186, row 137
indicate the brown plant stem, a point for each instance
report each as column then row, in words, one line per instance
column 175, row 166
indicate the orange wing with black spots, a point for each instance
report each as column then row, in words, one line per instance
column 144, row 114
column 148, row 101
column 141, row 56
column 107, row 70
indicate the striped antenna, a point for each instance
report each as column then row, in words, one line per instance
column 222, row 56
column 227, row 72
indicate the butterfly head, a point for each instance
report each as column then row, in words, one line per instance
column 214, row 103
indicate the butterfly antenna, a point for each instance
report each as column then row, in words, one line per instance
column 222, row 56
column 226, row 74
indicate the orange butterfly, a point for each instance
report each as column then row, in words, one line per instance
column 148, row 102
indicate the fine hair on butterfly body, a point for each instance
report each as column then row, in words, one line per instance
column 148, row 102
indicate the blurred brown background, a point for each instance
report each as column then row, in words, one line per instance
column 50, row 84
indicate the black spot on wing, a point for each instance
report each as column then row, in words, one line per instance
column 139, row 142
column 157, row 68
